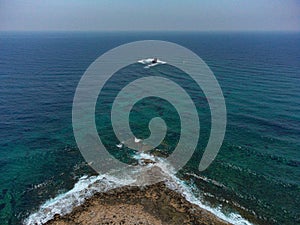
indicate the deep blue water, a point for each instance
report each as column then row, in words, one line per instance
column 257, row 169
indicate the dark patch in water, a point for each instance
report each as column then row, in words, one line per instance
column 4, row 191
column 294, row 163
column 2, row 206
column 3, row 163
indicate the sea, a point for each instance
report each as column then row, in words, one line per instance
column 255, row 178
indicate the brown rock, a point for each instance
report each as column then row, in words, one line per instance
column 154, row 204
column 147, row 161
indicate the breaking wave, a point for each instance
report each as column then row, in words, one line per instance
column 87, row 186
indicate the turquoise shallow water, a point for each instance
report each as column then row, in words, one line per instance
column 257, row 170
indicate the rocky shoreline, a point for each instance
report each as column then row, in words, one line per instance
column 153, row 204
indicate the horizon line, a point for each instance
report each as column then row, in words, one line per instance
column 213, row 31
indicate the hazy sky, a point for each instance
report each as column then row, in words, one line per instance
column 150, row 15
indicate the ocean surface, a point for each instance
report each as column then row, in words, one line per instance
column 254, row 179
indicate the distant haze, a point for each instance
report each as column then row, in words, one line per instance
column 201, row 15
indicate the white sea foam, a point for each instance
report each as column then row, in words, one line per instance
column 119, row 145
column 83, row 189
column 149, row 62
column 88, row 186
column 174, row 183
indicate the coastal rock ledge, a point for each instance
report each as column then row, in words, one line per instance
column 153, row 204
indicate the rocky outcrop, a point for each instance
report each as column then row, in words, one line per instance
column 152, row 204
